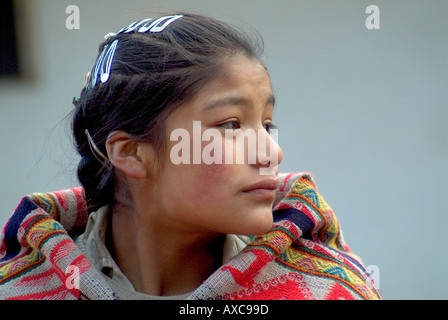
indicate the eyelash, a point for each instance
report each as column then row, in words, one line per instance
column 269, row 126
column 235, row 124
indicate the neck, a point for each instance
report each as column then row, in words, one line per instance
column 159, row 259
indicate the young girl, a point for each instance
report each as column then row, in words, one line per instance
column 164, row 215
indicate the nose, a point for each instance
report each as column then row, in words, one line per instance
column 269, row 153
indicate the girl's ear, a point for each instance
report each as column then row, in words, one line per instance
column 123, row 153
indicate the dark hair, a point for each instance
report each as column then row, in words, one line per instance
column 151, row 75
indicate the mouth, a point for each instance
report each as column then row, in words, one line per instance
column 264, row 189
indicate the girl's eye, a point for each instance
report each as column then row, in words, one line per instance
column 269, row 126
column 235, row 124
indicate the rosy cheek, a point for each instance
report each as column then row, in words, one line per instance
column 215, row 164
column 214, row 181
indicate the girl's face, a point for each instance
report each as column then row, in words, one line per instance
column 220, row 195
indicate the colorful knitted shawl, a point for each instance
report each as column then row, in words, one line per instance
column 303, row 256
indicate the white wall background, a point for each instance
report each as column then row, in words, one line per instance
column 366, row 111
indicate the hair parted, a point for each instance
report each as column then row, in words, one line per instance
column 151, row 74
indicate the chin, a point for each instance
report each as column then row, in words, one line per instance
column 260, row 223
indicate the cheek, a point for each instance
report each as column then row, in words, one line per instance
column 208, row 181
column 213, row 181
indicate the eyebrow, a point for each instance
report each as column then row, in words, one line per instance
column 236, row 100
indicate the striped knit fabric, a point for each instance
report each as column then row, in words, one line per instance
column 303, row 256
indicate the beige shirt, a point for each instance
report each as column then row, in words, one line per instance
column 92, row 244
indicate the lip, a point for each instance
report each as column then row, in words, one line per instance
column 265, row 185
